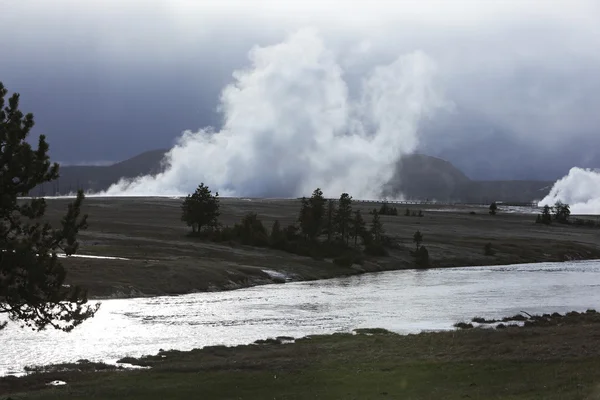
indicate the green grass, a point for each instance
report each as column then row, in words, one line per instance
column 335, row 380
column 540, row 362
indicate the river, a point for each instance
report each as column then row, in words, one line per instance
column 406, row 301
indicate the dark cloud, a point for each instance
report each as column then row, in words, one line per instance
column 108, row 79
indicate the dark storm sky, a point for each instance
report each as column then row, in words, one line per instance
column 109, row 79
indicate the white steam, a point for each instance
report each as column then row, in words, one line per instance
column 580, row 189
column 290, row 126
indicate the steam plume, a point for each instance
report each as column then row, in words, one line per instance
column 290, row 126
column 580, row 189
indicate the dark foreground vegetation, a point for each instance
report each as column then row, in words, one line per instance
column 32, row 289
column 553, row 360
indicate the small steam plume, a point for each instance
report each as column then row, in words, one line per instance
column 289, row 126
column 580, row 189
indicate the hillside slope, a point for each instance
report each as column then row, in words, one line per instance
column 97, row 178
column 417, row 176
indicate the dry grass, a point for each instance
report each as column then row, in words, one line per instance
column 166, row 261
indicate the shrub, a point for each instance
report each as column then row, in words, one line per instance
column 225, row 234
column 300, row 248
column 251, row 231
column 345, row 260
column 331, row 249
column 277, row 239
column 387, row 210
column 487, row 249
column 375, row 249
column 422, row 257
column 389, row 242
column 291, row 233
column 463, row 325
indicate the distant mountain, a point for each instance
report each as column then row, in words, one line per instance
column 417, row 176
column 484, row 149
column 422, row 177
column 97, row 178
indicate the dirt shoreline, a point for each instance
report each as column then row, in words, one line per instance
column 162, row 260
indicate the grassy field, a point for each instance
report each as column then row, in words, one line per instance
column 548, row 361
column 163, row 260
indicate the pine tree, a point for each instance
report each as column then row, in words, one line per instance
column 546, row 215
column 201, row 209
column 312, row 213
column 359, row 227
column 305, row 217
column 32, row 289
column 562, row 212
column 317, row 206
column 376, row 230
column 277, row 237
column 418, row 239
column 330, row 222
column 343, row 217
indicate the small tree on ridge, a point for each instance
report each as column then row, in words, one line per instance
column 201, row 209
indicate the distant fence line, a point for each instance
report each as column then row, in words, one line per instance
column 446, row 203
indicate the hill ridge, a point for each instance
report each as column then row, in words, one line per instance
column 417, row 176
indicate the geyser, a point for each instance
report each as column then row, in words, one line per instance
column 580, row 189
column 290, row 125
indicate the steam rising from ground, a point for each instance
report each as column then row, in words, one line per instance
column 580, row 189
column 290, row 126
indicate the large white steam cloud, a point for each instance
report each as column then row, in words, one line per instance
column 290, row 125
column 580, row 189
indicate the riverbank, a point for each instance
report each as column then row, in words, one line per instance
column 554, row 357
column 162, row 260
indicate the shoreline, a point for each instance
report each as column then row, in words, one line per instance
column 559, row 350
column 273, row 280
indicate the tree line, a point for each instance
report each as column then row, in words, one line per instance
column 560, row 213
column 323, row 229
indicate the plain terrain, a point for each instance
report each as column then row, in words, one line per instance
column 554, row 361
column 164, row 260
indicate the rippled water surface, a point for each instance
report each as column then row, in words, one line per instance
column 401, row 301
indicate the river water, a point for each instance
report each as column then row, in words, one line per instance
column 402, row 301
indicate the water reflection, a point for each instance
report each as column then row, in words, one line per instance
column 402, row 301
